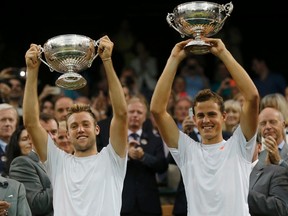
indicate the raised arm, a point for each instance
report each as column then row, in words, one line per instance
column 119, row 122
column 158, row 106
column 250, row 109
column 31, row 105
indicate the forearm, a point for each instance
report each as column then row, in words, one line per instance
column 119, row 122
column 240, row 76
column 30, row 99
column 116, row 93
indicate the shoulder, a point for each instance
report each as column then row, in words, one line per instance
column 13, row 183
column 276, row 169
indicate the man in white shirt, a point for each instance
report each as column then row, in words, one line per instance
column 88, row 182
column 215, row 172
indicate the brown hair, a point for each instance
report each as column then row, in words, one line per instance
column 206, row 95
column 77, row 108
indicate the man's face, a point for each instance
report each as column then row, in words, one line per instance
column 16, row 88
column 209, row 121
column 82, row 131
column 136, row 115
column 51, row 127
column 8, row 123
column 181, row 110
column 271, row 124
column 62, row 106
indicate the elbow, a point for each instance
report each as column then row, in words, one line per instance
column 155, row 111
column 254, row 97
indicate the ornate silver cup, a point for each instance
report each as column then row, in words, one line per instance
column 198, row 19
column 69, row 54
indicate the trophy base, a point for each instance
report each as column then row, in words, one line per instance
column 71, row 81
column 197, row 47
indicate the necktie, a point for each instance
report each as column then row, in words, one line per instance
column 134, row 136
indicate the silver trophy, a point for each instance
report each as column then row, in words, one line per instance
column 69, row 54
column 199, row 19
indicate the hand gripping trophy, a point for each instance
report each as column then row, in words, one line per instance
column 199, row 19
column 69, row 54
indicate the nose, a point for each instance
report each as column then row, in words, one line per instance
column 80, row 128
column 206, row 119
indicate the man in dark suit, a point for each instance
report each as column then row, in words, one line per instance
column 271, row 126
column 140, row 194
column 13, row 200
column 268, row 188
column 32, row 173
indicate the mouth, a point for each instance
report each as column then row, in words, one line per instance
column 81, row 137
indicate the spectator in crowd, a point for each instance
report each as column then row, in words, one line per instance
column 233, row 114
column 268, row 187
column 266, row 80
column 194, row 73
column 210, row 169
column 16, row 84
column 140, row 194
column 19, row 144
column 26, row 168
column 13, row 200
column 272, row 126
column 181, row 110
column 179, row 86
column 146, row 69
column 62, row 139
column 8, row 123
column 5, row 89
column 277, row 101
column 222, row 83
column 50, row 124
column 61, row 107
column 74, row 177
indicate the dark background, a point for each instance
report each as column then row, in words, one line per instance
column 262, row 26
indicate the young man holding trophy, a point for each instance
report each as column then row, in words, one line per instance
column 215, row 172
column 88, row 182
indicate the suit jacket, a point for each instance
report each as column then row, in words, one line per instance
column 103, row 137
column 31, row 172
column 14, row 193
column 268, row 190
column 2, row 161
column 283, row 154
column 140, row 188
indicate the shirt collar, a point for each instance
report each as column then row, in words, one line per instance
column 280, row 146
column 3, row 145
column 139, row 132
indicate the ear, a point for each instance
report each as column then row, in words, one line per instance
column 97, row 130
column 224, row 114
column 68, row 134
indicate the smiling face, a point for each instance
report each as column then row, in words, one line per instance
column 271, row 123
column 25, row 143
column 82, row 133
column 209, row 121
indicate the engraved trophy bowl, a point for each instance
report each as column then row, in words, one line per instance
column 199, row 19
column 69, row 54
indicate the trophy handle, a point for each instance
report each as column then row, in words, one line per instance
column 170, row 17
column 228, row 8
column 95, row 44
column 39, row 56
